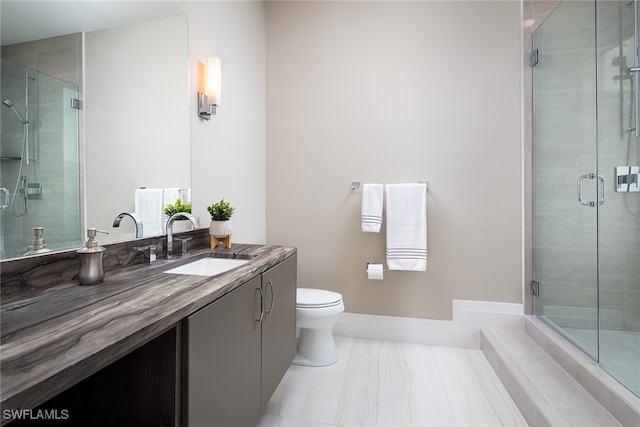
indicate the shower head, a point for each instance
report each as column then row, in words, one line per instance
column 8, row 103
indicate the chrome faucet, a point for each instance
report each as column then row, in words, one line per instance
column 187, row 215
column 136, row 219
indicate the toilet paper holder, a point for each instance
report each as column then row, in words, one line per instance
column 366, row 269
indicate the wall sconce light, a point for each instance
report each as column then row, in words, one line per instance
column 209, row 98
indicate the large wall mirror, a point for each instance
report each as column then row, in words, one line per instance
column 67, row 169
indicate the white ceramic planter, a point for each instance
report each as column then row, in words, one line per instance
column 220, row 229
column 180, row 225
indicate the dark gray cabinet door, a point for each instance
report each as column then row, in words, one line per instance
column 279, row 324
column 223, row 360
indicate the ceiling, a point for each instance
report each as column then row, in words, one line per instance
column 26, row 20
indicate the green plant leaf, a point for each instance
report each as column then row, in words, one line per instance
column 221, row 211
column 178, row 206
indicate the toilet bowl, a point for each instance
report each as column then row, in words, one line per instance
column 317, row 311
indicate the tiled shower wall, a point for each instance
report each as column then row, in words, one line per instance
column 56, row 163
column 619, row 217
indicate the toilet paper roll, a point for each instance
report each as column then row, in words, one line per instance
column 374, row 271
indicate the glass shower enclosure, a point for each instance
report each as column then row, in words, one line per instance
column 586, row 181
column 39, row 163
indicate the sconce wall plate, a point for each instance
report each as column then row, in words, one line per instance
column 204, row 109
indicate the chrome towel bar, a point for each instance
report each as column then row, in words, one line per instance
column 356, row 184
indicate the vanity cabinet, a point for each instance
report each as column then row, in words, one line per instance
column 237, row 349
column 279, row 324
column 222, row 346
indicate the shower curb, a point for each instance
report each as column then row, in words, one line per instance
column 554, row 384
column 528, row 399
column 620, row 402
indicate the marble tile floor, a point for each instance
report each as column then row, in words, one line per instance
column 394, row 384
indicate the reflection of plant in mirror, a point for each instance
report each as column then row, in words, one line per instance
column 221, row 211
column 178, row 206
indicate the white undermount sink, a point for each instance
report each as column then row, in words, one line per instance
column 208, row 266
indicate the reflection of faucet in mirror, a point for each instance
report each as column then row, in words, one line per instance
column 187, row 215
column 136, row 219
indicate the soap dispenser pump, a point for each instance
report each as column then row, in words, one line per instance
column 91, row 269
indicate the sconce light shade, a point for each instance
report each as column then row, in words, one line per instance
column 214, row 80
column 209, row 100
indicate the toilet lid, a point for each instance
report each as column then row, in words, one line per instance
column 317, row 298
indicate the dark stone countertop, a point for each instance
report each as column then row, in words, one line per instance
column 53, row 339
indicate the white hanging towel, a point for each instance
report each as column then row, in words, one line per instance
column 406, row 226
column 171, row 195
column 371, row 216
column 149, row 207
column 185, row 194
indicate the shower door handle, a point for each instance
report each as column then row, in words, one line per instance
column 603, row 190
column 5, row 200
column 580, row 199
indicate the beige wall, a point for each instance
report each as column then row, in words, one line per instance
column 228, row 152
column 396, row 92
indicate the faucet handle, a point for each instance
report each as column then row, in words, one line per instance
column 184, row 250
column 151, row 257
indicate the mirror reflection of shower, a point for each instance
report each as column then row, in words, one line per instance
column 39, row 158
column 21, row 181
column 39, row 155
column 8, row 103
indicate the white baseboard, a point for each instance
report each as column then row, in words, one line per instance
column 463, row 331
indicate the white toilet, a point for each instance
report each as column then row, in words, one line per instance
column 317, row 311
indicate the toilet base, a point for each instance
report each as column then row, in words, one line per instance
column 315, row 347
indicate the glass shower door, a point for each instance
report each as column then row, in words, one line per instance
column 587, row 180
column 566, row 185
column 619, row 217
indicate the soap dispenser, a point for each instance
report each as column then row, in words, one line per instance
column 91, row 269
column 38, row 246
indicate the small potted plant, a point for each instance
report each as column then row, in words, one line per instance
column 221, row 213
column 179, row 225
